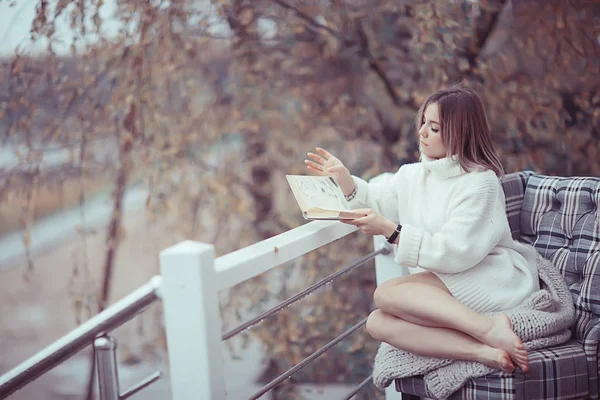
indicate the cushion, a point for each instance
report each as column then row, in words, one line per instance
column 558, row 372
column 560, row 217
column 514, row 192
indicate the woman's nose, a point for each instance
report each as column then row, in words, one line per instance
column 423, row 131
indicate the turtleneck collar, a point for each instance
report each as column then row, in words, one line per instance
column 443, row 168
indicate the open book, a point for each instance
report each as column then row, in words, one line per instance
column 320, row 197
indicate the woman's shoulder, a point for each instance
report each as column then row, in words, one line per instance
column 481, row 176
column 481, row 184
column 411, row 168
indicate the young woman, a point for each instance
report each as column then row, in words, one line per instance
column 446, row 217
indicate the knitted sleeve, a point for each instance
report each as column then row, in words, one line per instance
column 474, row 227
column 380, row 194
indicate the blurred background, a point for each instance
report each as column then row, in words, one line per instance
column 127, row 126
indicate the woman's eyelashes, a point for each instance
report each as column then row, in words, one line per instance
column 434, row 130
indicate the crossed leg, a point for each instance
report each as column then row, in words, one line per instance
column 417, row 313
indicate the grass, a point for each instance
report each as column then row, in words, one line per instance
column 48, row 199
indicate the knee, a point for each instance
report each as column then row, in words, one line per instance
column 380, row 296
column 375, row 324
column 387, row 296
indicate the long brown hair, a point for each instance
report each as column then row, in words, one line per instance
column 465, row 128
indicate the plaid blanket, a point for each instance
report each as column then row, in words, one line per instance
column 542, row 320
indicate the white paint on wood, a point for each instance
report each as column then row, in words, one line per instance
column 251, row 261
column 386, row 268
column 192, row 321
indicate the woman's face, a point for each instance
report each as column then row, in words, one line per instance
column 430, row 134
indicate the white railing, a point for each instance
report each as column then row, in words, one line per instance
column 189, row 286
column 192, row 277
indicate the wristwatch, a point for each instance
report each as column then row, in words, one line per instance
column 394, row 235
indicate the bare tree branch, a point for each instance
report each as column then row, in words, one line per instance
column 483, row 27
column 311, row 21
column 374, row 64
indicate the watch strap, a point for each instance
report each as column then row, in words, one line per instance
column 394, row 235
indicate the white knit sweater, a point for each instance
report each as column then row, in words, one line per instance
column 454, row 224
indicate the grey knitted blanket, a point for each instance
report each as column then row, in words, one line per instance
column 541, row 320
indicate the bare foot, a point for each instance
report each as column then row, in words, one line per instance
column 495, row 358
column 501, row 336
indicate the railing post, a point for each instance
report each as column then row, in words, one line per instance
column 105, row 350
column 385, row 266
column 193, row 321
column 386, row 269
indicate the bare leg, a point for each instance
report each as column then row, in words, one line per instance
column 424, row 300
column 434, row 342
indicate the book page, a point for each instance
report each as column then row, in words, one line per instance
column 320, row 191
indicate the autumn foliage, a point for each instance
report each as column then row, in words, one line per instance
column 210, row 104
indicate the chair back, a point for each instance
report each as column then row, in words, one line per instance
column 559, row 216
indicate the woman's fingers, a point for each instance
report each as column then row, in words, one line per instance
column 359, row 221
column 316, row 171
column 317, row 158
column 323, row 163
column 365, row 211
column 314, row 165
column 324, row 153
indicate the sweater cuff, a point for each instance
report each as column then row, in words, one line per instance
column 407, row 252
column 362, row 191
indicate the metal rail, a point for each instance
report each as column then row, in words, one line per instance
column 288, row 374
column 136, row 302
column 81, row 337
column 357, row 389
column 305, row 292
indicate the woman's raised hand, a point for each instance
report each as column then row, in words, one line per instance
column 325, row 164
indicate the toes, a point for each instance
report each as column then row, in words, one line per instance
column 506, row 363
column 521, row 359
column 521, row 355
column 508, row 367
column 524, row 365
